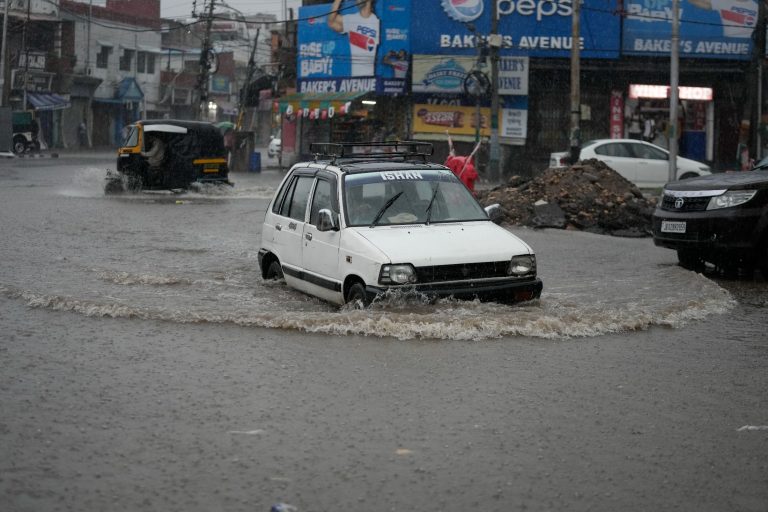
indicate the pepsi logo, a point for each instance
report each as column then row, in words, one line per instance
column 463, row 10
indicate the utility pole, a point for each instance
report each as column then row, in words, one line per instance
column 575, row 138
column 205, row 65
column 248, row 78
column 494, row 41
column 4, row 50
column 759, row 54
column 674, row 76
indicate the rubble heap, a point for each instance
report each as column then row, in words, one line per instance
column 588, row 196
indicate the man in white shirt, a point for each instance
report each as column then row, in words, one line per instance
column 363, row 30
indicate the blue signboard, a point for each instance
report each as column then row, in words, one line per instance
column 364, row 48
column 720, row 29
column 529, row 28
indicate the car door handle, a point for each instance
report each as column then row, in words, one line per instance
column 308, row 236
column 292, row 226
column 278, row 227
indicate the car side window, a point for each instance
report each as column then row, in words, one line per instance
column 287, row 190
column 648, row 152
column 300, row 198
column 321, row 199
column 613, row 149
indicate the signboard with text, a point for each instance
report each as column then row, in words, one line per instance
column 529, row 28
column 718, row 29
column 355, row 51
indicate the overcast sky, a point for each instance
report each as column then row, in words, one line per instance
column 183, row 8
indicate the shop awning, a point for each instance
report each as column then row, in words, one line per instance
column 319, row 105
column 47, row 101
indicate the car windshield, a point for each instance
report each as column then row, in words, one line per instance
column 408, row 197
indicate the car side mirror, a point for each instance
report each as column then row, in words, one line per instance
column 494, row 212
column 327, row 220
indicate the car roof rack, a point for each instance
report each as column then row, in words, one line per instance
column 404, row 149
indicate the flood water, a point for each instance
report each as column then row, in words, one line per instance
column 192, row 257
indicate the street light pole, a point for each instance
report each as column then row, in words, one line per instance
column 674, row 77
column 575, row 138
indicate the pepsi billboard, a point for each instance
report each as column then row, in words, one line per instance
column 718, row 29
column 362, row 46
column 529, row 28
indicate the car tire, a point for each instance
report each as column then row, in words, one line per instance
column 690, row 260
column 356, row 295
column 274, row 271
column 689, row 175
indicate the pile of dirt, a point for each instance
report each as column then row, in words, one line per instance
column 588, row 196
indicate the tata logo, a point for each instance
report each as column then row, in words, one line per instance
column 679, row 202
column 463, row 10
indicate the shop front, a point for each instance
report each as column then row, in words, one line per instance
column 329, row 117
column 646, row 117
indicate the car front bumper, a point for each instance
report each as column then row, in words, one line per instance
column 497, row 290
column 728, row 229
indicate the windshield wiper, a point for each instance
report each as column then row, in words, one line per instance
column 431, row 202
column 384, row 208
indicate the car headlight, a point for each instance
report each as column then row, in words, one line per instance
column 397, row 274
column 522, row 265
column 731, row 198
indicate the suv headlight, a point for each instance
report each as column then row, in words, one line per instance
column 731, row 198
column 397, row 274
column 522, row 265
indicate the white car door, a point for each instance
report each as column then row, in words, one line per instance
column 289, row 228
column 618, row 156
column 652, row 165
column 320, row 252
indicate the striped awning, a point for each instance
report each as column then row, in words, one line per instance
column 47, row 101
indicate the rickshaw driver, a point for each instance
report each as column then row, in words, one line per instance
column 156, row 153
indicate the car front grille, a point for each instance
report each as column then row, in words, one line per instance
column 690, row 204
column 461, row 272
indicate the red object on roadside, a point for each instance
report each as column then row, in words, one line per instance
column 468, row 175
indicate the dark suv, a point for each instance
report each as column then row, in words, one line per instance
column 721, row 219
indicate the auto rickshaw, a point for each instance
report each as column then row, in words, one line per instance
column 167, row 154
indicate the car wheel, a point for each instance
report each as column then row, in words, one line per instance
column 690, row 260
column 689, row 175
column 19, row 145
column 274, row 270
column 356, row 295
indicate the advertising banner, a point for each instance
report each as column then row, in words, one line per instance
column 354, row 46
column 529, row 28
column 616, row 130
column 718, row 29
column 445, row 74
column 463, row 119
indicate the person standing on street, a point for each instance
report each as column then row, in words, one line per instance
column 82, row 134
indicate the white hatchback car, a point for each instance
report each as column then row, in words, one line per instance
column 644, row 164
column 366, row 218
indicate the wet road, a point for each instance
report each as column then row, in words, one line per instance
column 146, row 366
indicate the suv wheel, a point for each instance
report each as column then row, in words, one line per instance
column 690, row 260
column 762, row 259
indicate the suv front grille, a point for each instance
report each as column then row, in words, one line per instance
column 462, row 272
column 690, row 204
